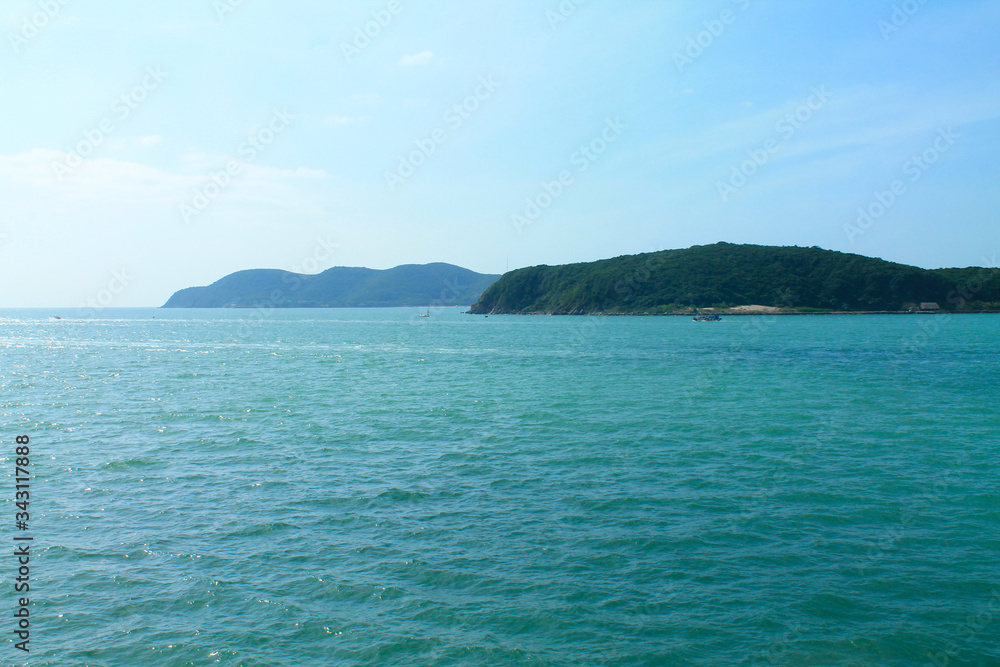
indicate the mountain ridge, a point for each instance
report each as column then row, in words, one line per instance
column 435, row 284
column 724, row 275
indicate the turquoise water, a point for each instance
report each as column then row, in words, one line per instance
column 372, row 488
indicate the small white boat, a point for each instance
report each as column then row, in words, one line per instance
column 427, row 314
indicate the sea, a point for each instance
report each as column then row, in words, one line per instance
column 368, row 487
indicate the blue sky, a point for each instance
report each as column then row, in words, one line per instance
column 146, row 147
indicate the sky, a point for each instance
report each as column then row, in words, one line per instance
column 148, row 147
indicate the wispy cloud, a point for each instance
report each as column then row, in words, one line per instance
column 856, row 118
column 131, row 181
column 422, row 58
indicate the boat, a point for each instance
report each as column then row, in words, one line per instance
column 707, row 318
column 427, row 314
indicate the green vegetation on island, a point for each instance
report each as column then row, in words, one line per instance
column 340, row 287
column 725, row 276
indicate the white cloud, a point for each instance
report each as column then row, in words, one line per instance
column 114, row 180
column 127, row 143
column 422, row 58
column 110, row 213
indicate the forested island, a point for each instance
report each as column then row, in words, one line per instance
column 736, row 279
column 340, row 287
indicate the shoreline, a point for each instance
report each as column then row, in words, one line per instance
column 751, row 313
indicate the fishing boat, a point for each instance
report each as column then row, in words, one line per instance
column 707, row 318
column 427, row 314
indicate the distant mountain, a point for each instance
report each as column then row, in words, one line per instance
column 340, row 287
column 725, row 275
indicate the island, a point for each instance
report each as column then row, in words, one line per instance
column 425, row 285
column 726, row 278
